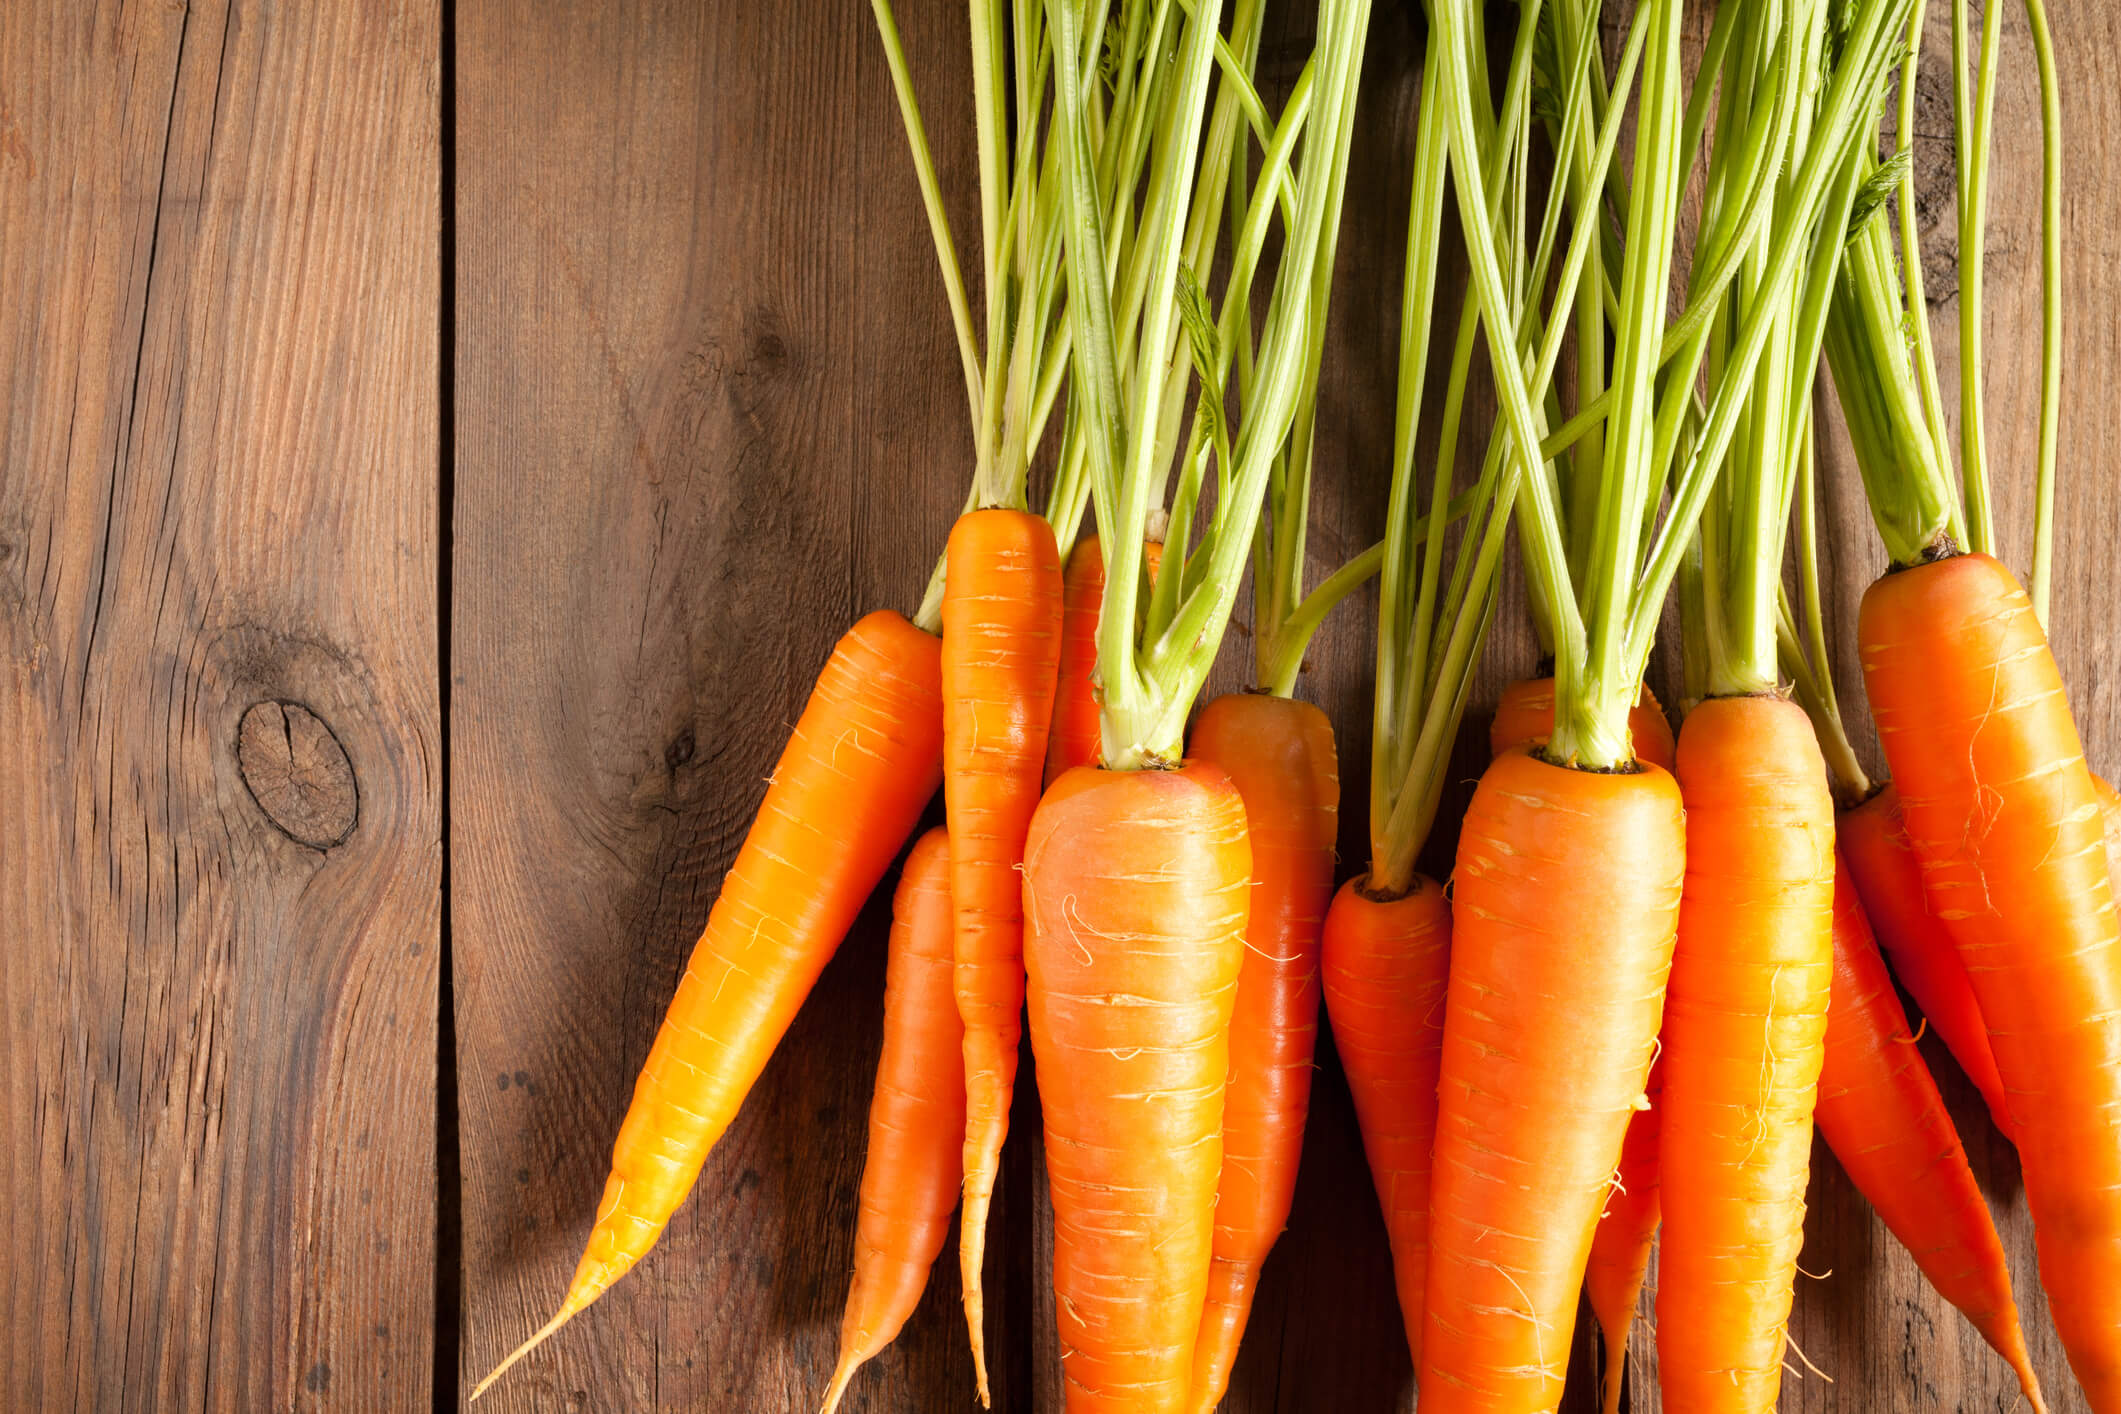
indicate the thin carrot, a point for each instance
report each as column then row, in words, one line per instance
column 1744, row 1027
column 1547, row 856
column 1001, row 650
column 1279, row 754
column 1386, row 964
column 1075, row 737
column 859, row 768
column 1627, row 1229
column 1881, row 864
column 1135, row 894
column 1880, row 1113
column 916, row 1120
column 2007, row 823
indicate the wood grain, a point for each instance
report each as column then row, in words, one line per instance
column 217, row 489
column 705, row 399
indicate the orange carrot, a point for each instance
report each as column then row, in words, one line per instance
column 1744, row 1028
column 1626, row 1231
column 858, row 770
column 1880, row 1112
column 1001, row 647
column 1565, row 902
column 1881, row 864
column 2006, row 821
column 1525, row 717
column 2110, row 814
column 1386, row 964
column 1279, row 754
column 1075, row 739
column 1135, row 901
column 916, row 1120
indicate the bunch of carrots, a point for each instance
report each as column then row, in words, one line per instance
column 1658, row 959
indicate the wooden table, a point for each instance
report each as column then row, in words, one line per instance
column 441, row 444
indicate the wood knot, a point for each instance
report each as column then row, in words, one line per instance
column 298, row 773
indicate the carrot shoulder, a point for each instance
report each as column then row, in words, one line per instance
column 2006, row 821
column 916, row 1120
column 1564, row 907
column 1880, row 1113
column 1279, row 754
column 1387, row 966
column 1135, row 898
column 1001, row 647
column 1744, row 1031
column 858, row 770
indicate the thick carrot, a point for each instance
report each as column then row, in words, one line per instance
column 1387, row 964
column 2110, row 815
column 1001, row 649
column 1881, row 864
column 2006, row 821
column 1525, row 716
column 1076, row 738
column 1744, row 1031
column 1880, row 1113
column 858, row 770
column 1564, row 906
column 1279, row 754
column 916, row 1120
column 1135, row 900
column 1621, row 1243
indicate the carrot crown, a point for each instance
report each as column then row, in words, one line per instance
column 1663, row 442
column 1878, row 345
column 1013, row 373
column 1127, row 395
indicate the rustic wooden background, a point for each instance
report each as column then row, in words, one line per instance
column 374, row 370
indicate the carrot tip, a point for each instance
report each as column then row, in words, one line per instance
column 837, row 1390
column 560, row 1318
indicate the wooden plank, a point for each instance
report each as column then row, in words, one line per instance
column 705, row 420
column 219, row 744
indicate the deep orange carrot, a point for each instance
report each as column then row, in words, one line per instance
column 1135, row 899
column 858, row 770
column 1279, row 754
column 916, row 1120
column 1386, row 965
column 1076, row 739
column 1565, row 902
column 1882, row 866
column 1744, row 1031
column 1880, row 1113
column 1001, row 649
column 1621, row 1243
column 1524, row 716
column 2006, row 821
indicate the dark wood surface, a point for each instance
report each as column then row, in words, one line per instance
column 539, row 390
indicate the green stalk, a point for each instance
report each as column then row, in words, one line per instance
column 2050, row 306
column 1971, row 153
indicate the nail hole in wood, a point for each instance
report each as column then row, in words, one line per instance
column 298, row 773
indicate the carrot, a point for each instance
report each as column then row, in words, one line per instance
column 1001, row 646
column 1563, row 913
column 1881, row 864
column 1386, row 963
column 2007, row 824
column 2110, row 815
column 1627, row 1229
column 1135, row 897
column 1279, row 755
column 1074, row 739
column 1745, row 1022
column 1880, row 1113
column 864, row 759
column 1525, row 717
column 916, row 1120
